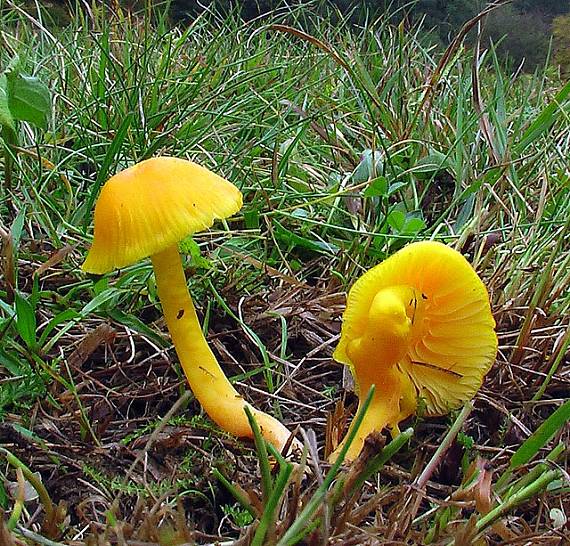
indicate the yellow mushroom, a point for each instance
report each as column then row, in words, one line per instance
column 417, row 326
column 145, row 211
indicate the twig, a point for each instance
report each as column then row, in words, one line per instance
column 26, row 533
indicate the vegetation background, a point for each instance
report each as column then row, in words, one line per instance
column 349, row 136
column 523, row 31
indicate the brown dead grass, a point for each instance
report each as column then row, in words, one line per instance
column 86, row 442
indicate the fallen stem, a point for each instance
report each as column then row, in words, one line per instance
column 26, row 533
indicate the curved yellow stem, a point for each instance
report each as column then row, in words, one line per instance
column 382, row 340
column 393, row 401
column 377, row 417
column 212, row 389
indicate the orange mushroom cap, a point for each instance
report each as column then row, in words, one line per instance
column 438, row 345
column 152, row 205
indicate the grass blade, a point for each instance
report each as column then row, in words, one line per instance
column 541, row 436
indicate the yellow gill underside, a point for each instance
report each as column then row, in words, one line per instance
column 454, row 344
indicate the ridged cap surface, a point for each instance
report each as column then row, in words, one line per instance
column 453, row 345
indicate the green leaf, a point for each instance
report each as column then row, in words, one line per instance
column 6, row 118
column 369, row 166
column 25, row 321
column 64, row 316
column 190, row 246
column 397, row 220
column 465, row 213
column 10, row 363
column 100, row 300
column 377, row 188
column 414, row 225
column 541, row 436
column 251, row 219
column 433, row 162
column 28, row 99
column 297, row 240
column 4, row 498
column 395, row 187
column 18, row 227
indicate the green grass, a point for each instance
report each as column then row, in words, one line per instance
column 347, row 143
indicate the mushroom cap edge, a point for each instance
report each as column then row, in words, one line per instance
column 152, row 205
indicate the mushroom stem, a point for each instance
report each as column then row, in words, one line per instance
column 393, row 400
column 220, row 400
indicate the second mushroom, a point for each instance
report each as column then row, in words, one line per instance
column 416, row 326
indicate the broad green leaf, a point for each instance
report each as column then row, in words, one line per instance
column 25, row 320
column 397, row 220
column 395, row 187
column 433, row 162
column 28, row 99
column 18, row 227
column 377, row 188
column 369, row 166
column 541, row 436
column 6, row 118
column 414, row 225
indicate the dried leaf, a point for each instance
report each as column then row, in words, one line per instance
column 102, row 334
column 28, row 494
column 483, row 493
column 56, row 258
column 335, row 427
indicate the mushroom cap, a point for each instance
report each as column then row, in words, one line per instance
column 453, row 341
column 153, row 205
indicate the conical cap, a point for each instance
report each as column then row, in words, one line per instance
column 153, row 205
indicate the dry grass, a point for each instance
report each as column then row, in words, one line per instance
column 99, row 410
